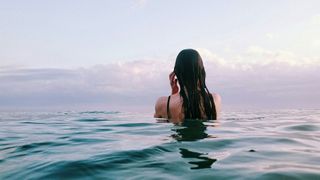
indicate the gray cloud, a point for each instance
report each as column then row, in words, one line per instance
column 252, row 80
column 113, row 85
column 266, row 79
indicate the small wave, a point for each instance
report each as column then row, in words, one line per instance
column 246, row 118
column 88, row 140
column 100, row 112
column 304, row 127
column 92, row 119
column 133, row 125
column 289, row 175
column 101, row 165
column 130, row 156
column 102, row 130
column 32, row 122
column 32, row 146
column 6, row 146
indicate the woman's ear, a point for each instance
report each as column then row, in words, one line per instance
column 172, row 75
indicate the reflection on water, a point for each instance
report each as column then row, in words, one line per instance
column 190, row 130
column 193, row 130
column 204, row 162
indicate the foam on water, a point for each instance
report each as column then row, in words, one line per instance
column 116, row 145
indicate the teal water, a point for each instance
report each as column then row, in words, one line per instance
column 281, row 144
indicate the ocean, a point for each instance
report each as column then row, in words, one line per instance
column 246, row 144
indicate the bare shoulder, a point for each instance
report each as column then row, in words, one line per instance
column 160, row 107
column 161, row 100
column 217, row 102
column 216, row 97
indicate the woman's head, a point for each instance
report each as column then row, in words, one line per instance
column 189, row 68
column 191, row 76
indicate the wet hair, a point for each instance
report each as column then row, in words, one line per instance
column 191, row 77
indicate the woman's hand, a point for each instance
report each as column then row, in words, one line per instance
column 173, row 83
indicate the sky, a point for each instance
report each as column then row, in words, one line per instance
column 116, row 55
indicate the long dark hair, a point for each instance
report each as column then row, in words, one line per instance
column 193, row 90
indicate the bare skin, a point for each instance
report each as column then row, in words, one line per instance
column 175, row 105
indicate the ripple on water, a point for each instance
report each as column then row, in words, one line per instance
column 32, row 146
column 89, row 140
column 92, row 119
column 113, row 145
column 133, row 125
column 303, row 127
column 289, row 175
column 104, row 163
column 100, row 112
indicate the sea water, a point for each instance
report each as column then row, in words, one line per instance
column 277, row 144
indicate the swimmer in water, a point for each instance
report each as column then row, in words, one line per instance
column 190, row 97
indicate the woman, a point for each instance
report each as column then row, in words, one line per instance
column 190, row 97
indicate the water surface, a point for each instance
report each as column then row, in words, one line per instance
column 281, row 144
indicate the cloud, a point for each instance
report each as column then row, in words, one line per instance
column 139, row 3
column 256, row 56
column 270, row 35
column 265, row 78
column 130, row 83
column 256, row 78
column 316, row 19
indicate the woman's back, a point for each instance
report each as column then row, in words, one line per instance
column 171, row 107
